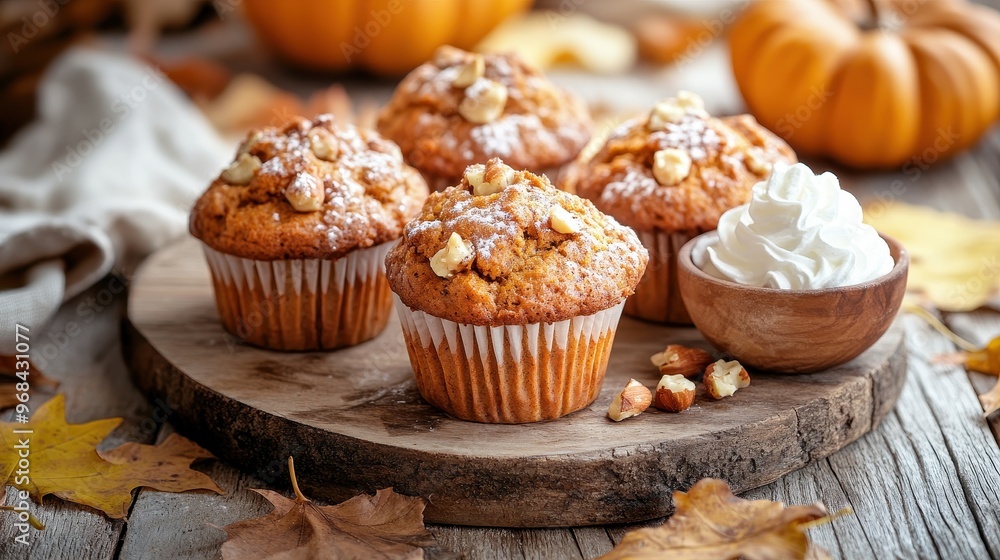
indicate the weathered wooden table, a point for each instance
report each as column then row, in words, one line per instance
column 924, row 484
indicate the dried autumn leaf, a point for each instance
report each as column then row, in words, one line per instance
column 984, row 360
column 710, row 523
column 956, row 272
column 386, row 525
column 11, row 374
column 65, row 462
column 249, row 101
column 199, row 77
column 991, row 400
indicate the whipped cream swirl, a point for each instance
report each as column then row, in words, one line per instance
column 800, row 231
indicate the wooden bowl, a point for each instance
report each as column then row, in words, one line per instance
column 789, row 331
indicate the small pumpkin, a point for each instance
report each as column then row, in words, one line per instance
column 920, row 83
column 388, row 37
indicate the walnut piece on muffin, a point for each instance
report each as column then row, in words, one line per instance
column 518, row 252
column 462, row 108
column 308, row 190
column 677, row 168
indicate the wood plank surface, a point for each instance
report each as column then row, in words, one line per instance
column 355, row 428
column 979, row 327
column 82, row 350
column 922, row 485
column 917, row 508
column 179, row 526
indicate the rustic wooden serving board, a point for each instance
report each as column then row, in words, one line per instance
column 354, row 421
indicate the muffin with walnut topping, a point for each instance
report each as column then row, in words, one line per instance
column 296, row 231
column 509, row 292
column 670, row 175
column 463, row 108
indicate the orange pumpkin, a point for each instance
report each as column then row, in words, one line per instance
column 919, row 85
column 389, row 37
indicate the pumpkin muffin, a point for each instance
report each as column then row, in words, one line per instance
column 670, row 175
column 296, row 230
column 463, row 108
column 509, row 292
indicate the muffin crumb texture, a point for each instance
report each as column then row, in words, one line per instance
column 523, row 253
column 463, row 107
column 679, row 169
column 308, row 190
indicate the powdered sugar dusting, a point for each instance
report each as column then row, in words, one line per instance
column 478, row 88
column 491, row 223
column 635, row 186
column 303, row 184
column 274, row 167
column 691, row 134
column 434, row 82
column 367, row 190
column 539, row 121
column 501, row 137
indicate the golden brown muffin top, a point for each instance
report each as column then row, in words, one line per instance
column 308, row 190
column 505, row 247
column 677, row 168
column 463, row 108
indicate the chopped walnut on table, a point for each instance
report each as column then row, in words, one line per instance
column 674, row 393
column 723, row 378
column 677, row 359
column 631, row 401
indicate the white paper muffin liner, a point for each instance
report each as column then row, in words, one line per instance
column 302, row 304
column 511, row 373
column 657, row 297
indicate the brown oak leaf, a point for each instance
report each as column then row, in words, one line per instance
column 386, row 525
column 710, row 523
column 991, row 400
column 64, row 461
column 14, row 372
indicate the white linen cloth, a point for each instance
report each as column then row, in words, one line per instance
column 104, row 175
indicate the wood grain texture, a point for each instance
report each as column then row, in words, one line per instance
column 80, row 348
column 868, row 473
column 818, row 482
column 355, row 423
column 926, row 508
column 979, row 327
column 179, row 526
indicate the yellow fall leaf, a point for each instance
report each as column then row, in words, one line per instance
column 986, row 359
column 710, row 523
column 982, row 360
column 63, row 461
column 954, row 260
